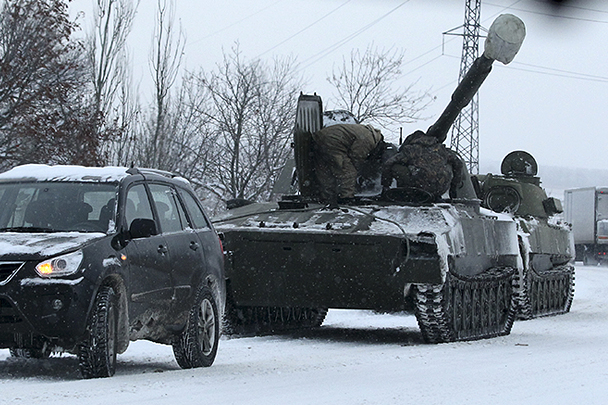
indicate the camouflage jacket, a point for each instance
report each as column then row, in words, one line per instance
column 423, row 163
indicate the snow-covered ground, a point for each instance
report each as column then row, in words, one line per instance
column 357, row 357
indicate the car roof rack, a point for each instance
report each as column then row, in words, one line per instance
column 143, row 171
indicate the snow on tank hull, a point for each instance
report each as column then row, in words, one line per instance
column 373, row 256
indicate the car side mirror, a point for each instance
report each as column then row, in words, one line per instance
column 142, row 228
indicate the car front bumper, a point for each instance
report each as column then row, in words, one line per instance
column 32, row 308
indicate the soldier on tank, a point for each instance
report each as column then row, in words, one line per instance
column 340, row 150
column 424, row 163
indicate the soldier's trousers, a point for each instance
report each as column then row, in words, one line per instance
column 337, row 176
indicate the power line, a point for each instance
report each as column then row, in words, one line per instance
column 423, row 65
column 557, row 72
column 236, row 22
column 305, row 28
column 320, row 55
column 562, row 73
column 504, row 8
column 571, row 75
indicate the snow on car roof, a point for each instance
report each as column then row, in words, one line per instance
column 38, row 172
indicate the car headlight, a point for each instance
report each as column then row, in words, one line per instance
column 61, row 265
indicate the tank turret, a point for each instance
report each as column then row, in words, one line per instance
column 518, row 190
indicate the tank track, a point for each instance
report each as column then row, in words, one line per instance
column 466, row 308
column 544, row 294
column 256, row 321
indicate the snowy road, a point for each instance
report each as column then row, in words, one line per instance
column 357, row 357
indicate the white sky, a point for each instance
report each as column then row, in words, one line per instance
column 551, row 101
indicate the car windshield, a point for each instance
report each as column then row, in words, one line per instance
column 57, row 207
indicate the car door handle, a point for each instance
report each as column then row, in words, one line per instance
column 162, row 249
column 194, row 245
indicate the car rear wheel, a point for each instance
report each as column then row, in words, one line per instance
column 97, row 353
column 197, row 345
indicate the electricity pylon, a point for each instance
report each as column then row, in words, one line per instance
column 465, row 131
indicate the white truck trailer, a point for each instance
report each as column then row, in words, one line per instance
column 587, row 210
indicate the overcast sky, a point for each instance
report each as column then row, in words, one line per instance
column 552, row 101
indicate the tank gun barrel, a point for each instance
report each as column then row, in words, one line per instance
column 504, row 39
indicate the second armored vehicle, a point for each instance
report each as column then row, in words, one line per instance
column 544, row 282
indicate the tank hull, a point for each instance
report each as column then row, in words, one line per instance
column 379, row 257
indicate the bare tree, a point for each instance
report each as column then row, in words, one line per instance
column 113, row 20
column 252, row 110
column 366, row 86
column 44, row 111
column 193, row 139
column 125, row 119
column 172, row 132
column 108, row 59
column 165, row 61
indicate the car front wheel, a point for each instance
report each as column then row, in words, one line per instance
column 97, row 352
column 197, row 345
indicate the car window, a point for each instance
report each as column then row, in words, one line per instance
column 170, row 212
column 56, row 206
column 137, row 204
column 21, row 203
column 196, row 213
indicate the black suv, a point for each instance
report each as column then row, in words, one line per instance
column 92, row 258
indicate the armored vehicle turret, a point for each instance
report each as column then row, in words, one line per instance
column 453, row 261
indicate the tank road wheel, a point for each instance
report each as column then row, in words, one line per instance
column 252, row 321
column 198, row 343
column 97, row 353
column 302, row 318
column 319, row 315
column 544, row 294
column 466, row 308
column 31, row 353
column 38, row 350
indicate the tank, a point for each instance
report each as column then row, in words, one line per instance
column 544, row 282
column 457, row 264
